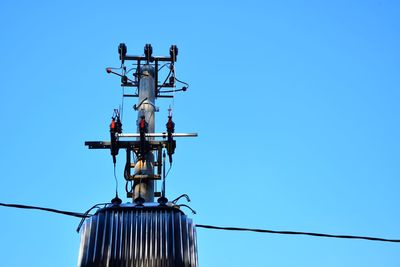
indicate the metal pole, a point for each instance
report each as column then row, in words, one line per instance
column 145, row 187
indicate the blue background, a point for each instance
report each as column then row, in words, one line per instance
column 296, row 104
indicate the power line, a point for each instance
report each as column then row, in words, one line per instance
column 86, row 215
column 68, row 213
column 297, row 233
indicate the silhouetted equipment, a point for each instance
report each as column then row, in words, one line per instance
column 173, row 52
column 115, row 128
column 144, row 232
column 148, row 52
column 143, row 129
column 122, row 52
column 171, row 145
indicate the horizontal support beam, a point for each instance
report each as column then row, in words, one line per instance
column 163, row 135
column 126, row 95
column 158, row 85
column 124, row 144
column 168, row 59
column 144, row 177
column 160, row 96
column 129, row 85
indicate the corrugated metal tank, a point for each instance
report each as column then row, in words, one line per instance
column 128, row 235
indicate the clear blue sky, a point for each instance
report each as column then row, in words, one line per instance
column 296, row 104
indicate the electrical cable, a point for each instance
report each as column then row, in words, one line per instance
column 297, row 233
column 181, row 196
column 163, row 172
column 170, row 166
column 109, row 70
column 134, row 68
column 116, row 181
column 184, row 205
column 136, row 107
column 86, row 215
column 174, row 90
column 169, row 74
column 122, row 103
column 163, row 66
column 68, row 213
column 182, row 82
column 126, row 186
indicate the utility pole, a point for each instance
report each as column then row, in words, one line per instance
column 146, row 109
column 143, row 233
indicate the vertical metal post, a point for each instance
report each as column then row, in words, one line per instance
column 146, row 107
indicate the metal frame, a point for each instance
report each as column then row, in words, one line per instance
column 147, row 60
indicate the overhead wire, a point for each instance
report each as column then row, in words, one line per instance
column 297, row 233
column 68, row 213
column 86, row 215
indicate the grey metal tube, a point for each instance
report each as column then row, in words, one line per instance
column 145, row 188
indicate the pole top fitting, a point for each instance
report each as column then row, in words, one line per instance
column 148, row 52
